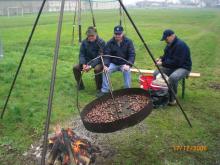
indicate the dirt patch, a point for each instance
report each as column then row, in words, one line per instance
column 215, row 86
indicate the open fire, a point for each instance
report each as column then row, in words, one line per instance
column 66, row 148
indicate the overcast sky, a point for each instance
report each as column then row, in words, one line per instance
column 134, row 1
column 130, row 1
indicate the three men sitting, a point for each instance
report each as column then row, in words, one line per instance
column 175, row 63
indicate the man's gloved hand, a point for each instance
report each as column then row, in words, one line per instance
column 105, row 68
column 86, row 68
column 159, row 61
column 126, row 67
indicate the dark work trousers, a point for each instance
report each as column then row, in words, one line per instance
column 98, row 75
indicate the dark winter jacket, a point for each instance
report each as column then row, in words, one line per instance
column 177, row 55
column 125, row 50
column 91, row 50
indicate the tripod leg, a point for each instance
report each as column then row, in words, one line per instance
column 52, row 83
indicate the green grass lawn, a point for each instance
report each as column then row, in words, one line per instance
column 24, row 120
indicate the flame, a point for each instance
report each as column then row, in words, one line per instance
column 76, row 146
column 51, row 141
column 81, row 148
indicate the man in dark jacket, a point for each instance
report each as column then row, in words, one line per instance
column 176, row 61
column 90, row 48
column 123, row 48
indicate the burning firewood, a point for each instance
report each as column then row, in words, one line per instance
column 69, row 149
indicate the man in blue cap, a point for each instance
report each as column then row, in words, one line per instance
column 122, row 47
column 176, row 61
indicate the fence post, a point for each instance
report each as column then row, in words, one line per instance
column 1, row 49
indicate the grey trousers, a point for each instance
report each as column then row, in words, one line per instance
column 174, row 76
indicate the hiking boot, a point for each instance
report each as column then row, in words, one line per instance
column 80, row 88
column 172, row 103
column 100, row 94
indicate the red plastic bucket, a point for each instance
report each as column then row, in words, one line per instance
column 146, row 83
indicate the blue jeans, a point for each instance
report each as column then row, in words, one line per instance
column 174, row 76
column 114, row 68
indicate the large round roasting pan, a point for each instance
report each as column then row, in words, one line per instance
column 120, row 123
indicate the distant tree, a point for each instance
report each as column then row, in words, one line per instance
column 210, row 3
column 186, row 2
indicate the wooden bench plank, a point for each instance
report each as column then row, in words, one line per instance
column 146, row 71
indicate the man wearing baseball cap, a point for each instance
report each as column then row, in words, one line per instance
column 122, row 47
column 176, row 61
column 90, row 48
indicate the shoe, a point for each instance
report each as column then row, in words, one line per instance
column 80, row 88
column 172, row 103
column 100, row 94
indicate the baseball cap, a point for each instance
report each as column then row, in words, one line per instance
column 91, row 31
column 166, row 34
column 118, row 29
